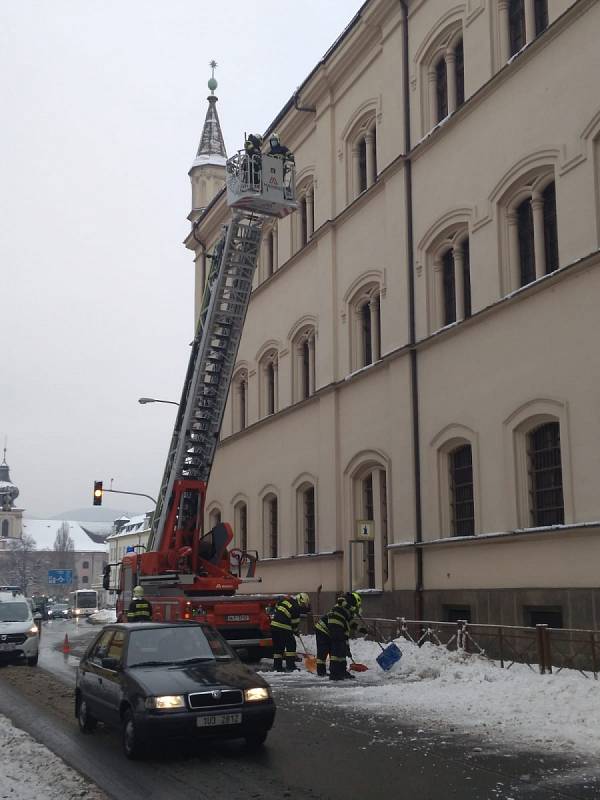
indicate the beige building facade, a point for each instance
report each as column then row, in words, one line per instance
column 419, row 362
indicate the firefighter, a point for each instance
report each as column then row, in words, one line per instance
column 278, row 149
column 140, row 609
column 284, row 627
column 339, row 622
column 252, row 147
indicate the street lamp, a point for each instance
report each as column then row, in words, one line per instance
column 144, row 400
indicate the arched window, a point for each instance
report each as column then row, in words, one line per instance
column 306, row 518
column 370, row 504
column 241, row 525
column 546, row 504
column 443, row 69
column 462, row 506
column 541, row 16
column 451, row 285
column 363, row 150
column 239, row 398
column 269, row 373
column 271, row 525
column 441, row 89
column 303, row 373
column 365, row 320
column 214, row 518
column 5, row 528
column 269, row 252
column 532, row 231
column 305, row 216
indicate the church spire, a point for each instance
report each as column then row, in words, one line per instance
column 211, row 149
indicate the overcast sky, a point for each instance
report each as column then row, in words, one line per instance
column 103, row 103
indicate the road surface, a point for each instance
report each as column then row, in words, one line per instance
column 315, row 751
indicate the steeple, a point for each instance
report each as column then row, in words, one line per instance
column 211, row 149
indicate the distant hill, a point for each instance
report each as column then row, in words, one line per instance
column 94, row 514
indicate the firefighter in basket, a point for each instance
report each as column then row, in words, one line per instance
column 252, row 167
column 284, row 627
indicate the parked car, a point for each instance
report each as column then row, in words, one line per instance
column 177, row 679
column 19, row 634
column 59, row 611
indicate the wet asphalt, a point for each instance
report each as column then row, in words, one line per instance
column 315, row 751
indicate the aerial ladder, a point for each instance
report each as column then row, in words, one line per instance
column 185, row 572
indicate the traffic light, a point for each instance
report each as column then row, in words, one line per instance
column 97, row 493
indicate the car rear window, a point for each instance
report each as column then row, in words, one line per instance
column 14, row 612
column 182, row 643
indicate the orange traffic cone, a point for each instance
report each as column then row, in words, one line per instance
column 66, row 648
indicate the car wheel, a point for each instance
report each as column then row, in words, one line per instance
column 32, row 662
column 255, row 740
column 132, row 746
column 87, row 722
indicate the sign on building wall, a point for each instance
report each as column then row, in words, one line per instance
column 60, row 577
column 365, row 529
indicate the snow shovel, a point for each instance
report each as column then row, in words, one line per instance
column 389, row 656
column 354, row 666
column 310, row 661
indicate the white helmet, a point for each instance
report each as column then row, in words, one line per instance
column 138, row 591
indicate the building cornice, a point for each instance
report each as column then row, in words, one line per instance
column 554, row 531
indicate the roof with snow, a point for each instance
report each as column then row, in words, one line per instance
column 44, row 532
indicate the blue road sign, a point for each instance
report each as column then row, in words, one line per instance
column 60, row 577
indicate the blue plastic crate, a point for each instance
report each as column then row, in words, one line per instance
column 390, row 656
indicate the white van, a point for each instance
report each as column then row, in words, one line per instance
column 19, row 636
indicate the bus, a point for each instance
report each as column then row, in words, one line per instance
column 83, row 602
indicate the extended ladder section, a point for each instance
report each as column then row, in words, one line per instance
column 255, row 189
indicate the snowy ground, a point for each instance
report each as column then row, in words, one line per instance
column 434, row 687
column 103, row 617
column 29, row 771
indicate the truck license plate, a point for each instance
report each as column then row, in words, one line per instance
column 238, row 618
column 218, row 719
column 5, row 647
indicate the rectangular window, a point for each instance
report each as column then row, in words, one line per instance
column 516, row 24
column 305, row 370
column 362, row 165
column 459, row 68
column 449, row 288
column 462, row 506
column 526, row 246
column 365, row 315
column 457, row 613
column 270, row 389
column 309, row 521
column 270, row 254
column 367, row 486
column 303, row 221
column 541, row 16
column 243, row 527
column 441, row 89
column 273, row 528
column 550, row 227
column 467, row 276
column 545, row 476
column 543, row 615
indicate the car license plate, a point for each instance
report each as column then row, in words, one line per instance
column 238, row 618
column 6, row 646
column 218, row 719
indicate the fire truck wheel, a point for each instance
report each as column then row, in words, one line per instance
column 131, row 741
column 255, row 740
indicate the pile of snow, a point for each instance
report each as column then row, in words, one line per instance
column 439, row 688
column 29, row 771
column 103, row 617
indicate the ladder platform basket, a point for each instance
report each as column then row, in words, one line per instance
column 261, row 184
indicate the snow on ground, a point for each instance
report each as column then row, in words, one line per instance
column 29, row 771
column 439, row 688
column 103, row 617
